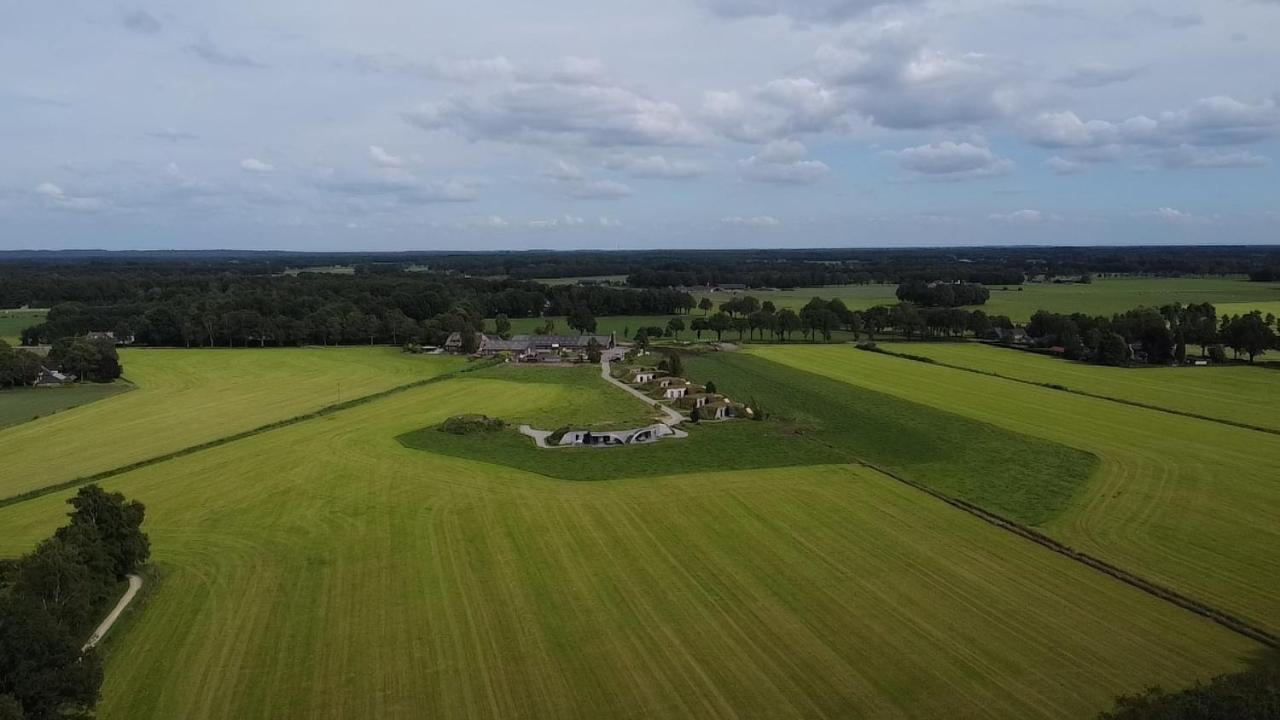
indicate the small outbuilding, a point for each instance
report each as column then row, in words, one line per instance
column 53, row 378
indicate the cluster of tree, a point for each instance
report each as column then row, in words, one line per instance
column 51, row 598
column 1161, row 334
column 943, row 294
column 1265, row 274
column 1250, row 695
column 197, row 306
column 93, row 360
column 17, row 367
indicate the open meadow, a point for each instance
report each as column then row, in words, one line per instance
column 325, row 570
column 13, row 322
column 1185, row 502
column 1104, row 296
column 19, row 405
column 1239, row 394
column 187, row 397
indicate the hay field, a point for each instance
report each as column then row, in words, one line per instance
column 187, row 397
column 1185, row 502
column 322, row 570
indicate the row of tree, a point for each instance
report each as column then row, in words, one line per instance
column 820, row 318
column 367, row 308
column 1154, row 335
column 51, row 598
column 943, row 294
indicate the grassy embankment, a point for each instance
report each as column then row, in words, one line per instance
column 815, row 420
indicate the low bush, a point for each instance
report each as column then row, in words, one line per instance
column 471, row 424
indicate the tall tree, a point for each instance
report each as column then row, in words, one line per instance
column 675, row 326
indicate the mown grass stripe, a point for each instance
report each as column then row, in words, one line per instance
column 219, row 442
column 1084, row 393
column 1217, row 615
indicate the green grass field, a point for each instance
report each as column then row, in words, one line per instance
column 186, row 397
column 582, row 278
column 1248, row 395
column 322, row 570
column 816, row 420
column 1185, row 502
column 19, row 405
column 1244, row 308
column 1105, row 296
column 13, row 322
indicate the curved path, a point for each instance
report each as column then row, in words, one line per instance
column 135, row 584
column 672, row 417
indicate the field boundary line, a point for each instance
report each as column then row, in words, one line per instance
column 1083, row 393
column 227, row 439
column 1169, row 595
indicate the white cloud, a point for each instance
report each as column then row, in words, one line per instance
column 895, row 77
column 782, row 161
column 1019, row 217
column 1173, row 216
column 599, row 190
column 1094, row 75
column 254, row 165
column 210, row 52
column 802, row 11
column 1186, row 156
column 608, row 222
column 483, row 222
column 1065, row 166
column 563, row 171
column 952, row 160
column 564, row 221
column 757, row 221
column 654, row 166
column 559, row 111
column 385, row 159
column 1215, row 120
column 789, row 106
column 55, row 197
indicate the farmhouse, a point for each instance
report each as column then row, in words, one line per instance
column 1012, row 336
column 531, row 347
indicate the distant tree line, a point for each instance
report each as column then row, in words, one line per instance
column 202, row 307
column 1265, row 274
column 51, row 599
column 755, row 268
column 1159, row 335
column 943, row 294
column 748, row 318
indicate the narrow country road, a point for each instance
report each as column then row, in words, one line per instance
column 135, row 584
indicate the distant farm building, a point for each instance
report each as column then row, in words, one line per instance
column 532, row 348
column 53, row 378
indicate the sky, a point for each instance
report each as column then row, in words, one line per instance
column 568, row 124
